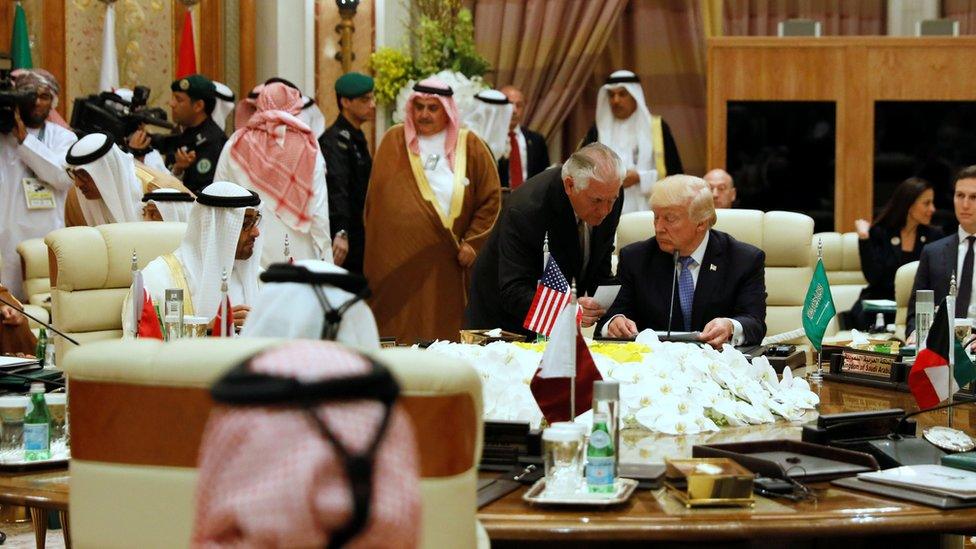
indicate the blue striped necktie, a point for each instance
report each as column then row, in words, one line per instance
column 686, row 289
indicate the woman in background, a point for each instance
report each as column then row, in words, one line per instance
column 895, row 238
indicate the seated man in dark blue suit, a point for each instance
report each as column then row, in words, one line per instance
column 721, row 287
column 952, row 254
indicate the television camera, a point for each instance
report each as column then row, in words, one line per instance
column 11, row 99
column 110, row 113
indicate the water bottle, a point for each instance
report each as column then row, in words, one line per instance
column 41, row 351
column 173, row 314
column 49, row 356
column 37, row 426
column 601, row 457
column 879, row 323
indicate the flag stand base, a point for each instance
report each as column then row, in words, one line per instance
column 817, row 376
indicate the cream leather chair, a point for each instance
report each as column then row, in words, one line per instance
column 34, row 310
column 904, row 282
column 634, row 227
column 91, row 274
column 34, row 268
column 782, row 235
column 138, row 409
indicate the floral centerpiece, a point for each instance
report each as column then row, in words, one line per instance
column 444, row 47
column 671, row 388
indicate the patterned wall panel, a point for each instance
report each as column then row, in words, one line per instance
column 143, row 40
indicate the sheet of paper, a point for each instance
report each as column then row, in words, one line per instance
column 605, row 295
column 7, row 362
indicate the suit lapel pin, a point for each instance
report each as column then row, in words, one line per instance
column 712, row 267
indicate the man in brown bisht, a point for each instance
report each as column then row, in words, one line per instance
column 432, row 201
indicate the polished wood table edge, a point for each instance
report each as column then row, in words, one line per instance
column 36, row 489
column 710, row 526
column 838, row 512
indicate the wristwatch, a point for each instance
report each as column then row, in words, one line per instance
column 342, row 232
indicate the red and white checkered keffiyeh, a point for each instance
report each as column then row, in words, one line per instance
column 278, row 153
column 269, row 479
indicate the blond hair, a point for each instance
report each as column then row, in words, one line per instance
column 681, row 190
column 595, row 160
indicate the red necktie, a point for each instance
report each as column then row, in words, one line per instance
column 514, row 162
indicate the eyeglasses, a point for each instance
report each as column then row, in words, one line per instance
column 250, row 223
column 71, row 172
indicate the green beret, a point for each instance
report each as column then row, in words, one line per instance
column 353, row 84
column 197, row 86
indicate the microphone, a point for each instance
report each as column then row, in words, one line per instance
column 674, row 283
column 39, row 321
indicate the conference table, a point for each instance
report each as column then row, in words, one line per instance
column 837, row 517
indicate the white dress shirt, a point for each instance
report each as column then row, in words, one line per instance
column 697, row 257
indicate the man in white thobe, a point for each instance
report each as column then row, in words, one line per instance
column 278, row 156
column 33, row 183
column 221, row 236
column 313, row 300
column 489, row 118
column 644, row 142
column 169, row 205
column 105, row 180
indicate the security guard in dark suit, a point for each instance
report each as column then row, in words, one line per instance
column 348, row 165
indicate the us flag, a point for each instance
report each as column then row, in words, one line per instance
column 551, row 296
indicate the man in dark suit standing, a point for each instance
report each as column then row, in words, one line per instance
column 578, row 207
column 952, row 254
column 721, row 283
column 528, row 155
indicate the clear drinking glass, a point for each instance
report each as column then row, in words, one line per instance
column 57, row 404
column 964, row 327
column 584, row 432
column 562, row 455
column 195, row 326
column 12, row 412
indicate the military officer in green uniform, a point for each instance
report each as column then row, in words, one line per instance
column 348, row 165
column 198, row 146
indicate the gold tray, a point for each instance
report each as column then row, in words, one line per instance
column 731, row 485
column 625, row 489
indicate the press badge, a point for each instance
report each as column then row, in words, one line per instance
column 38, row 194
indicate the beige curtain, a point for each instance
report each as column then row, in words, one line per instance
column 837, row 17
column 663, row 41
column 963, row 11
column 546, row 48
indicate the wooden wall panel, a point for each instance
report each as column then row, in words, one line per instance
column 54, row 56
column 6, row 25
column 853, row 71
column 248, row 51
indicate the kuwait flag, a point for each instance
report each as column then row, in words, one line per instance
column 929, row 378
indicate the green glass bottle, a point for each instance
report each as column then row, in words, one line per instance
column 41, row 351
column 600, row 457
column 37, row 426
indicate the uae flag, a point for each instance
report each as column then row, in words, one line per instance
column 929, row 379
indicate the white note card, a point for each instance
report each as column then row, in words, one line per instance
column 606, row 294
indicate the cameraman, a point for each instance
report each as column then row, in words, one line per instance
column 33, row 183
column 198, row 147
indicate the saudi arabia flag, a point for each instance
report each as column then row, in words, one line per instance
column 929, row 378
column 818, row 307
column 19, row 41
